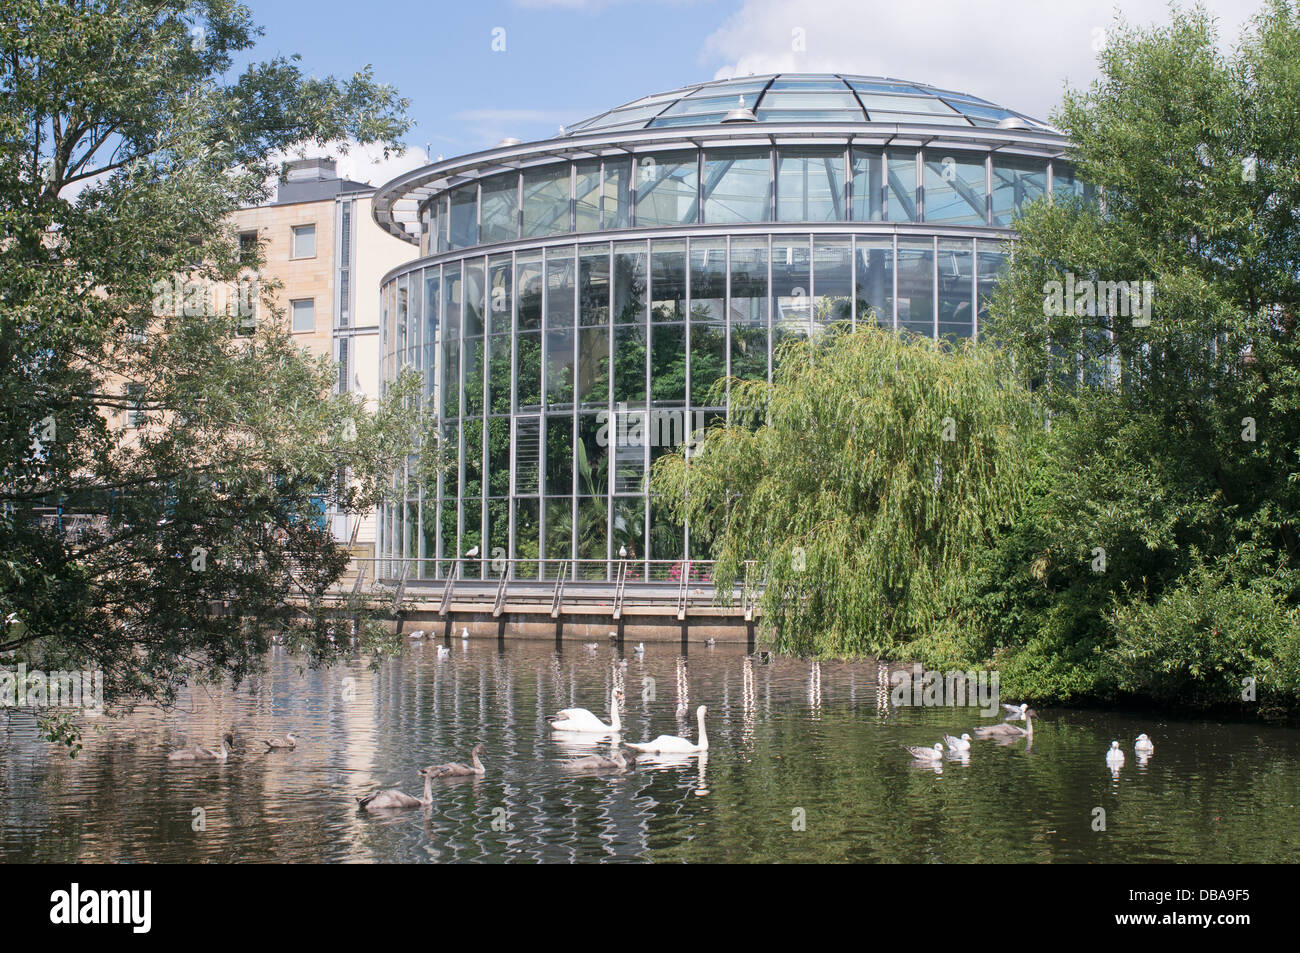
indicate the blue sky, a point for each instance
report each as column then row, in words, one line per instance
column 568, row 59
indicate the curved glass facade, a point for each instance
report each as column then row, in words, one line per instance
column 562, row 362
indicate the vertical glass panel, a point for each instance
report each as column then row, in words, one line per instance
column 592, row 455
column 559, row 327
column 586, row 195
column 447, row 531
column 668, row 364
column 667, row 541
column 992, row 259
column 473, row 459
column 832, row 280
column 616, row 207
column 498, row 533
column 630, row 355
column 527, row 454
column 559, row 455
column 1016, row 182
column 630, row 283
column 875, row 281
column 791, row 284
column 668, row 281
column 429, row 534
column 749, row 300
column 916, row 286
column 559, row 536
column 546, row 200
column 527, row 538
column 591, row 535
column 475, row 299
column 628, row 517
column 464, row 216
column 402, row 322
column 954, row 188
column 902, row 186
column 528, row 347
column 708, row 319
column 498, row 456
column 500, row 208
column 868, row 185
column 498, row 295
column 415, row 318
column 1066, row 184
column 667, row 189
column 593, row 285
column 451, row 302
column 474, row 358
column 472, row 536
column 955, row 264
column 438, row 217
column 810, row 185
column 529, row 290
column 738, row 186
column 432, row 297
column 593, row 367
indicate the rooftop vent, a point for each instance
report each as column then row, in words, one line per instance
column 310, row 170
column 1014, row 122
column 508, row 141
column 741, row 113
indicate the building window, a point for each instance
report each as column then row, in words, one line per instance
column 304, row 315
column 248, row 249
column 304, row 241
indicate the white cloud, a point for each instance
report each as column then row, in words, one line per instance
column 363, row 163
column 1017, row 53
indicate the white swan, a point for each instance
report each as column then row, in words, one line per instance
column 1143, row 745
column 958, row 745
column 926, row 754
column 579, row 719
column 1115, row 756
column 671, row 744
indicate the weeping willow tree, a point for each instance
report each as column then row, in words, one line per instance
column 861, row 481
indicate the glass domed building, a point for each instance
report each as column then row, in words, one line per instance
column 577, row 299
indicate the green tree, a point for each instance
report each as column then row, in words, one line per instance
column 860, row 482
column 1171, row 493
column 172, row 547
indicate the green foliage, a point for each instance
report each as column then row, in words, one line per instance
column 169, row 523
column 860, row 481
column 1173, row 444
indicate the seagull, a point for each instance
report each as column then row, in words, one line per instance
column 613, row 636
column 1017, row 711
column 957, row 745
column 640, row 648
column 464, row 634
column 472, row 554
column 926, row 754
column 1143, row 745
column 710, row 641
column 1115, row 756
column 622, row 552
column 444, row 651
column 290, row 741
column 417, row 634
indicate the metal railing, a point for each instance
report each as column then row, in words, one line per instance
column 466, row 572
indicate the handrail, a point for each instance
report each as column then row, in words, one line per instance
column 400, row 592
column 682, row 590
column 446, row 592
column 619, row 589
column 499, row 605
column 558, row 599
column 361, row 575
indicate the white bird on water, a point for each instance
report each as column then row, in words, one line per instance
column 581, row 720
column 444, row 651
column 921, row 753
column 464, row 634
column 1016, row 711
column 672, row 744
column 1115, row 756
column 1143, row 745
column 640, row 648
column 957, row 745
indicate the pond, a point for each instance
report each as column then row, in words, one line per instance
column 806, row 763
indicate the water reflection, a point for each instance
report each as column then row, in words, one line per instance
column 783, row 735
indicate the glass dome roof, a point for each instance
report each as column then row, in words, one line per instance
column 807, row 98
